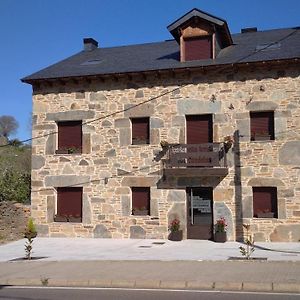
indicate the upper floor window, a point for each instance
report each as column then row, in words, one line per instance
column 265, row 202
column 140, row 131
column 262, row 126
column 69, row 204
column 140, row 201
column 198, row 48
column 69, row 137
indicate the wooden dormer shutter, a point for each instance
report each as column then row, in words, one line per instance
column 198, row 48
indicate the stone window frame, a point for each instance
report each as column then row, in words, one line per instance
column 270, row 136
column 267, row 212
column 141, row 211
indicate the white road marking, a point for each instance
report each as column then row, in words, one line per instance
column 154, row 290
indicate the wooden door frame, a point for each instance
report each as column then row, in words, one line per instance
column 188, row 208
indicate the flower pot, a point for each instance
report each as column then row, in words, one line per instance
column 61, row 151
column 74, row 219
column 58, row 218
column 141, row 212
column 175, row 236
column 265, row 215
column 220, row 237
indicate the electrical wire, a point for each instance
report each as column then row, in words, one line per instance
column 163, row 94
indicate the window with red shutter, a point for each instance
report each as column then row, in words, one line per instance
column 265, row 202
column 140, row 131
column 140, row 200
column 199, row 129
column 69, row 204
column 262, row 126
column 69, row 137
column 198, row 48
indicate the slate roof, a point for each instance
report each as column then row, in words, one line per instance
column 247, row 47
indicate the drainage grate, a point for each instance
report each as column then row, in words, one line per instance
column 144, row 246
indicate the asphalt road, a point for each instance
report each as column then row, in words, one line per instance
column 12, row 293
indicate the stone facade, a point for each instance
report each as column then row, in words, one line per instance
column 109, row 165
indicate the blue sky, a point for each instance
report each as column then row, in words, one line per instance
column 37, row 33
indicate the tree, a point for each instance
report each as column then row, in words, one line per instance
column 8, row 126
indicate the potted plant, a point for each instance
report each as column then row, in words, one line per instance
column 61, row 151
column 74, row 219
column 59, row 218
column 228, row 142
column 175, row 232
column 140, row 211
column 266, row 213
column 164, row 144
column 69, row 150
column 220, row 231
column 261, row 136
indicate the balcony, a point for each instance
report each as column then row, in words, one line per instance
column 196, row 160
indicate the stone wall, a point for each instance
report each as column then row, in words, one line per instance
column 13, row 220
column 110, row 165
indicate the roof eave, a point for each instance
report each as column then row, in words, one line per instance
column 183, row 68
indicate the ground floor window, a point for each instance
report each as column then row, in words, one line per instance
column 69, row 204
column 265, row 202
column 140, row 201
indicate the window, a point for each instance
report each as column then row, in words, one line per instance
column 198, row 48
column 69, row 137
column 265, row 202
column 262, row 126
column 140, row 201
column 140, row 131
column 69, row 204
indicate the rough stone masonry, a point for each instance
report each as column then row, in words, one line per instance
column 109, row 165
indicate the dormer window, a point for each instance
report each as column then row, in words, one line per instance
column 197, row 48
column 200, row 35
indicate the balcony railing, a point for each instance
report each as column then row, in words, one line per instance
column 196, row 155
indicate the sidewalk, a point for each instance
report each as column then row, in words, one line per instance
column 151, row 264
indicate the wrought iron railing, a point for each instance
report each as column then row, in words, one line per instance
column 196, row 155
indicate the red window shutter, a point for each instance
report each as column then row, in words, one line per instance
column 70, row 135
column 199, row 129
column 264, row 200
column 262, row 125
column 69, row 201
column 140, row 130
column 140, row 198
column 198, row 48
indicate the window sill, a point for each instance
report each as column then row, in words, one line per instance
column 262, row 141
column 61, row 219
column 66, row 153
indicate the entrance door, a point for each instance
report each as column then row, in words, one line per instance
column 200, row 213
column 199, row 129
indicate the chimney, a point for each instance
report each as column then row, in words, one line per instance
column 249, row 29
column 89, row 44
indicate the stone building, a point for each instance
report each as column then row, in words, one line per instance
column 203, row 126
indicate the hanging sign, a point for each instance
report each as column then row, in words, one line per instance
column 202, row 205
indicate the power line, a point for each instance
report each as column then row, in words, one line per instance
column 163, row 94
column 101, row 179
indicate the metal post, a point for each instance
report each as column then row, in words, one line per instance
column 192, row 207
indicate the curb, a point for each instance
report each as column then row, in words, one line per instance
column 161, row 284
